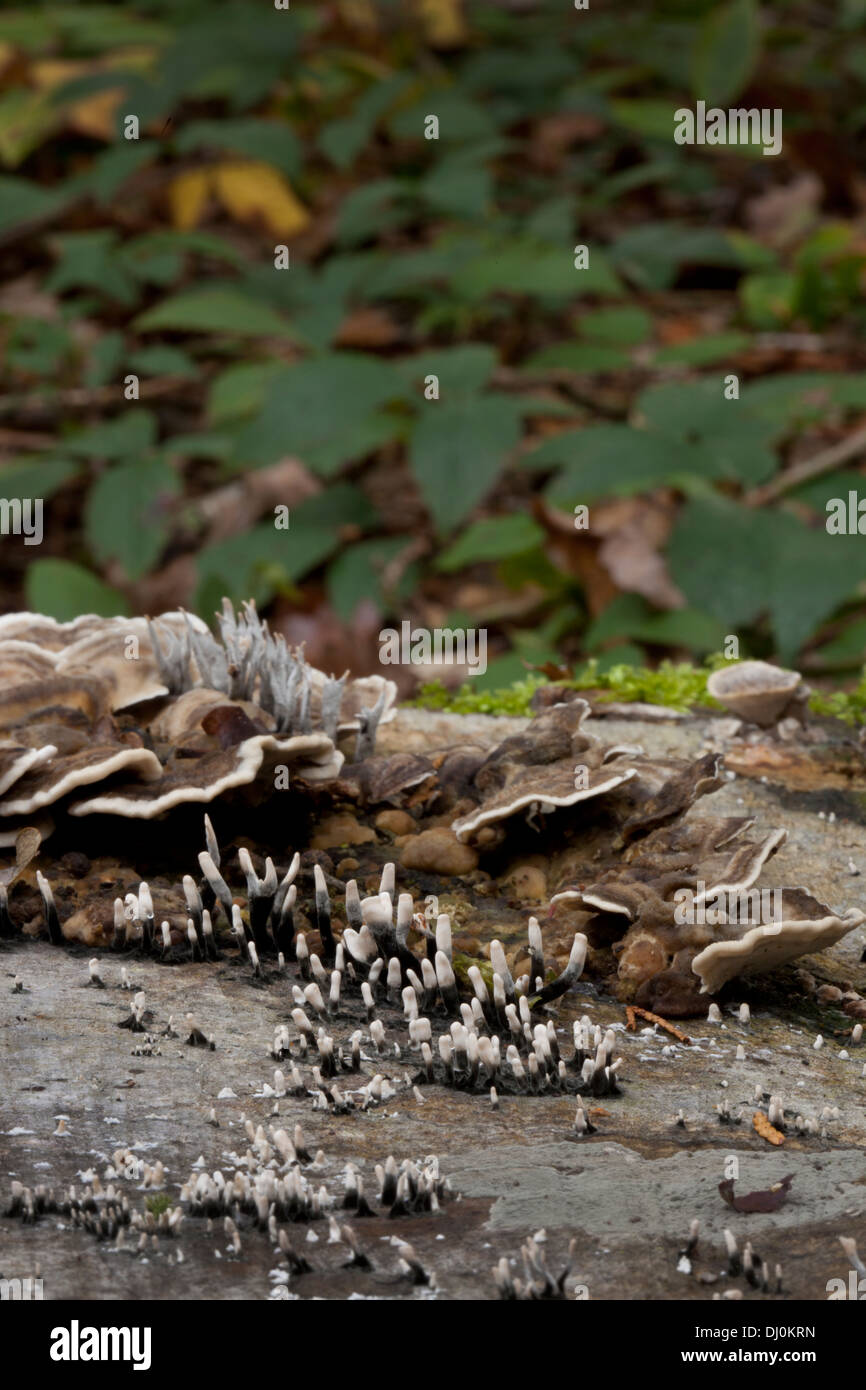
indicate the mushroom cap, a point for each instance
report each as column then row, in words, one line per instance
column 807, row 926
column 61, row 683
column 552, row 783
column 207, row 777
column 754, row 690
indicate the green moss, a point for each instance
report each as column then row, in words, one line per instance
column 158, row 1203
column 679, row 686
column 847, row 705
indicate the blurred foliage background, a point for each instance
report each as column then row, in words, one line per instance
column 304, row 387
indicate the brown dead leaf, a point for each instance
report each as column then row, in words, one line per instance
column 781, row 215
column 575, row 552
column 368, row 328
column 634, row 530
column 443, row 22
column 358, row 14
column 553, row 136
column 767, row 1131
column 767, row 1199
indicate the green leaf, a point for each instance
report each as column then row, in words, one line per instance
column 343, row 140
column 611, row 461
column 653, row 119
column 38, row 346
column 239, row 390
column 726, row 52
column 63, row 590
column 214, row 310
column 462, row 370
column 104, row 358
column 543, row 272
column 458, row 187
column 461, row 120
column 625, row 327
column 652, row 254
column 162, row 360
column 374, row 208
column 458, row 450
column 738, row 564
column 109, row 171
column 36, row 477
column 260, row 562
column 846, row 649
column 130, row 433
column 703, row 352
column 735, row 441
column 316, row 401
column 356, row 575
column 90, row 260
column 271, row 142
column 128, row 513
column 493, row 538
column 22, row 201
column 579, row 357
column 769, row 298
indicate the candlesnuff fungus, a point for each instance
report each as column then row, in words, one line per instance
column 132, row 717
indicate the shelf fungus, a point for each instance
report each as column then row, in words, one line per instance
column 689, row 919
column 759, row 693
column 131, row 717
column 555, row 763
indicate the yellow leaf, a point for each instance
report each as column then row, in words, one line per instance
column 444, row 25
column 187, row 197
column 251, row 190
column 93, row 115
column 358, row 14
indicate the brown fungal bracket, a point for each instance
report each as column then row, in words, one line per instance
column 758, row 692
column 158, row 713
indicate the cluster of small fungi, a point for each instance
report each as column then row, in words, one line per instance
column 266, row 1192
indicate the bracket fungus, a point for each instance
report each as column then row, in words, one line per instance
column 555, row 763
column 131, row 717
column 758, row 692
column 683, row 904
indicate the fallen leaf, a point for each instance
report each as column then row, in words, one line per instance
column 766, row 1199
column 187, row 197
column 782, row 214
column 443, row 22
column 631, row 550
column 250, row 190
column 368, row 328
column 94, row 115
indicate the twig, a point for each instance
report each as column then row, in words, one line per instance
column 632, row 1010
column 87, row 397
column 809, row 468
